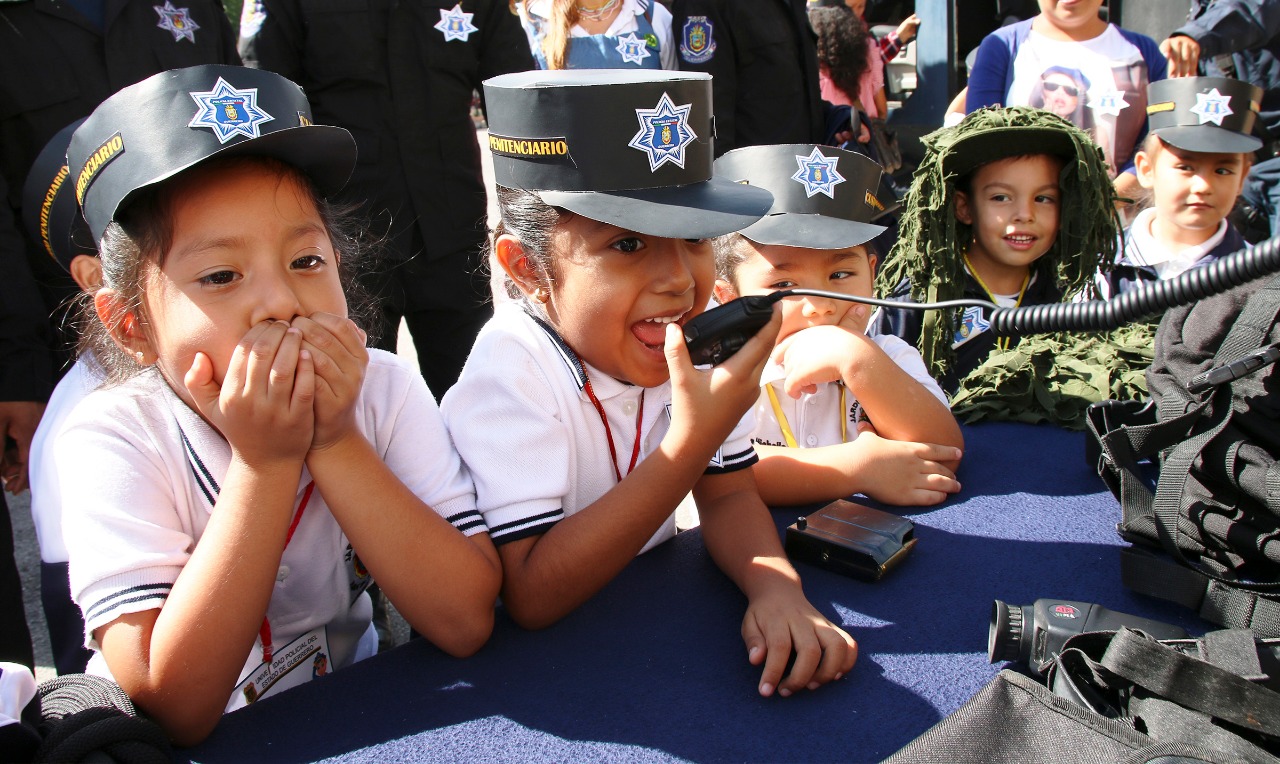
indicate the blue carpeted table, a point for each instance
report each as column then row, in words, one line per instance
column 653, row 668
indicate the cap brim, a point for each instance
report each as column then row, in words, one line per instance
column 986, row 146
column 695, row 211
column 324, row 153
column 791, row 229
column 1208, row 139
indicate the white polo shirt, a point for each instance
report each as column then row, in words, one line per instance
column 1143, row 248
column 531, row 438
column 46, row 485
column 146, row 476
column 817, row 419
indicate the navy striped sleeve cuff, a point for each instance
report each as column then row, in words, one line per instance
column 732, row 462
column 525, row 527
column 468, row 522
column 157, row 592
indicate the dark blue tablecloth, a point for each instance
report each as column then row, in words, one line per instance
column 653, row 668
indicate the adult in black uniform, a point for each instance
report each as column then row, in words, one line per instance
column 763, row 57
column 24, row 380
column 400, row 76
column 58, row 60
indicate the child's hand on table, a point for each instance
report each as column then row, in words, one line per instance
column 901, row 472
column 779, row 621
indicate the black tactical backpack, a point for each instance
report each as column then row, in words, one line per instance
column 1206, row 530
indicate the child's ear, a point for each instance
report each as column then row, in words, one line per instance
column 87, row 272
column 124, row 325
column 963, row 213
column 724, row 291
column 509, row 252
column 871, row 263
column 1144, row 167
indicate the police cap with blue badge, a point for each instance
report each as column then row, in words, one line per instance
column 632, row 149
column 49, row 210
column 823, row 197
column 1205, row 114
column 172, row 121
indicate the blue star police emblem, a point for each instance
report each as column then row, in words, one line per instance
column 818, row 174
column 971, row 325
column 1110, row 102
column 1212, row 107
column 664, row 133
column 697, row 45
column 633, row 49
column 456, row 25
column 229, row 112
column 176, row 21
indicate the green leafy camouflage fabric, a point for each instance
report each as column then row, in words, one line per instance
column 1053, row 378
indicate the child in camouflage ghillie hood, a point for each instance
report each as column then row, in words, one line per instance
column 1013, row 205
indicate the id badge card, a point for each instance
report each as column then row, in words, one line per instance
column 302, row 660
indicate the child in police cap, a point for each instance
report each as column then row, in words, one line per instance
column 250, row 444
column 1014, row 206
column 579, row 413
column 840, row 412
column 1193, row 163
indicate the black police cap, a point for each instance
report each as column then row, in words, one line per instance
column 823, row 197
column 633, row 149
column 1206, row 114
column 49, row 209
column 172, row 121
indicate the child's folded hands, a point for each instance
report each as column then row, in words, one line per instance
column 337, row 348
column 263, row 407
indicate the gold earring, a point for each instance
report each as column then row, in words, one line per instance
column 541, row 295
column 142, row 358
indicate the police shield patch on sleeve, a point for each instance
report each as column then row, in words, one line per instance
column 971, row 325
column 818, row 174
column 664, row 133
column 176, row 21
column 697, row 43
column 229, row 112
column 456, row 25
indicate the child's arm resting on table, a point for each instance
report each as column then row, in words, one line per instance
column 741, row 537
column 904, row 473
column 899, row 406
column 445, row 584
column 909, row 458
column 549, row 575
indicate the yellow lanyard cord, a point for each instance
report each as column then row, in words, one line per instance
column 786, row 428
column 1003, row 342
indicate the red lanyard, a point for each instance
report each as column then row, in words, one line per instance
column 265, row 632
column 608, row 432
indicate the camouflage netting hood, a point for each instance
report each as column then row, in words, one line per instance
column 932, row 242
